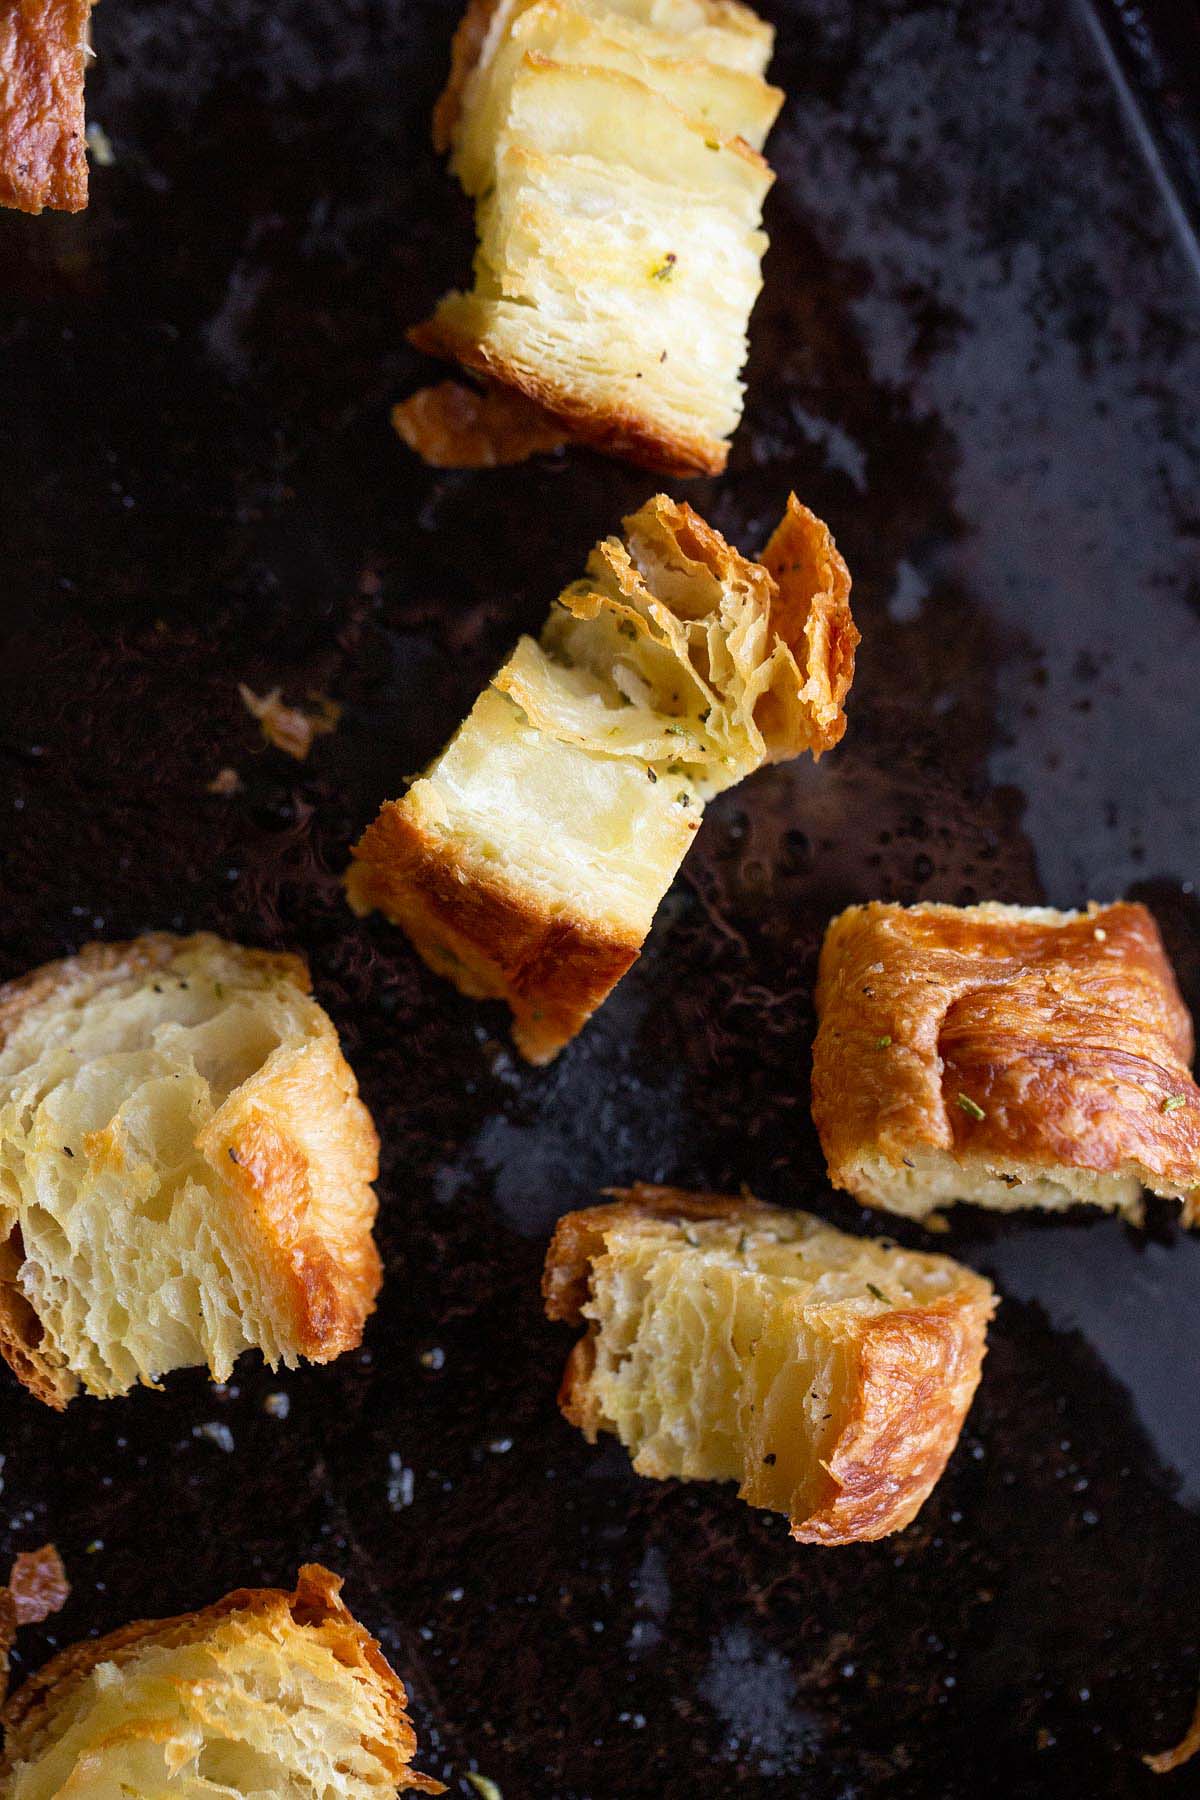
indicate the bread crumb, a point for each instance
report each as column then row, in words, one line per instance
column 454, row 427
column 38, row 1585
column 225, row 782
column 1185, row 1749
column 290, row 728
column 100, row 146
column 483, row 1785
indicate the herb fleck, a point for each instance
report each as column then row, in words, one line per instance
column 1174, row 1102
column 770, row 1459
column 665, row 269
column 971, row 1107
column 877, row 1292
column 882, row 1043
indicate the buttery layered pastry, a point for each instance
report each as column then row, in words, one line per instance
column 43, row 155
column 185, row 1168
column 526, row 864
column 725, row 1340
column 264, row 1693
column 612, row 148
column 1012, row 1056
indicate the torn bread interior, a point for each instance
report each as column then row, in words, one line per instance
column 614, row 153
column 1007, row 1055
column 263, row 1693
column 528, row 861
column 726, row 1340
column 185, row 1168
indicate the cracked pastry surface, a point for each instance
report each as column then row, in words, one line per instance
column 43, row 154
column 185, row 1168
column 613, row 150
column 263, row 1693
column 1012, row 1056
column 727, row 1340
column 528, row 861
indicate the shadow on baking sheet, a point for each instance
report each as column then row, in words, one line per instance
column 977, row 356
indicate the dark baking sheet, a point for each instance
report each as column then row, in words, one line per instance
column 977, row 356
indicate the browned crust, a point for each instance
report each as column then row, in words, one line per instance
column 327, row 1265
column 451, row 426
column 312, row 1214
column 1163, row 1762
column 916, row 1373
column 616, row 430
column 492, row 938
column 315, row 1605
column 43, row 160
column 1071, row 1038
column 811, row 614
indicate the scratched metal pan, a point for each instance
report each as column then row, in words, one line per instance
column 977, row 356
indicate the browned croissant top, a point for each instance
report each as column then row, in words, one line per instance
column 1020, row 1036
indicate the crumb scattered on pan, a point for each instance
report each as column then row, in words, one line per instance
column 1184, row 1750
column 290, row 728
column 483, row 1785
column 225, row 782
column 100, row 146
column 455, row 427
column 38, row 1585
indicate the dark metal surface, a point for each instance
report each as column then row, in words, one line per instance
column 977, row 356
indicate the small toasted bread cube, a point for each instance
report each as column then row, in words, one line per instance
column 827, row 1375
column 43, row 155
column 1011, row 1056
column 527, row 863
column 185, row 1168
column 264, row 1693
column 618, row 262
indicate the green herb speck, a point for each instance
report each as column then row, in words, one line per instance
column 971, row 1107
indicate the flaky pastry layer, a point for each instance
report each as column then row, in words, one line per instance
column 264, row 1692
column 185, row 1168
column 727, row 1340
